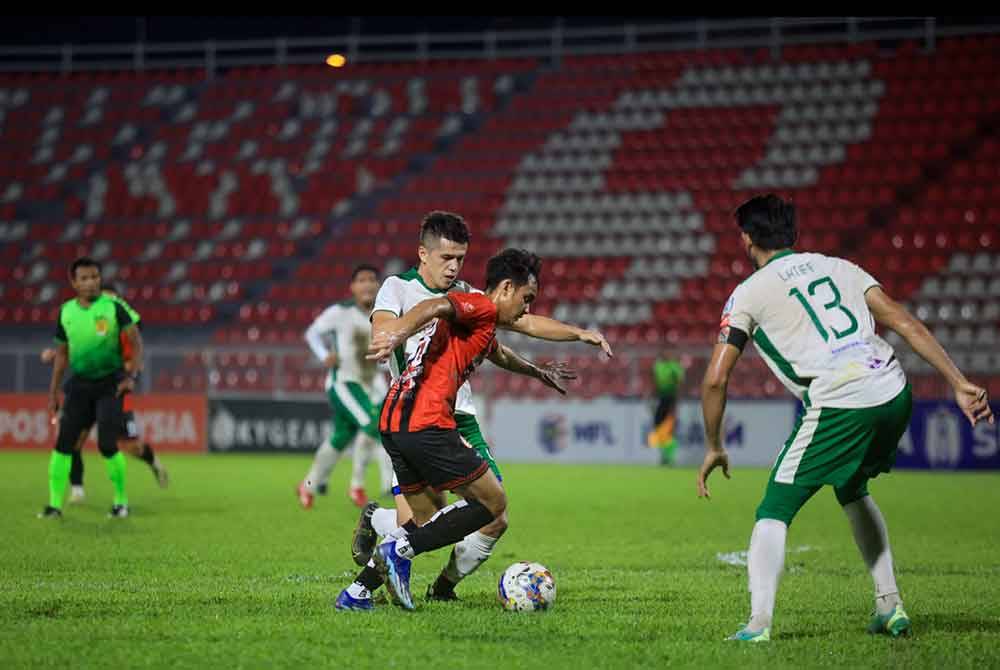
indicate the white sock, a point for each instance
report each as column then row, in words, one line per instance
column 403, row 548
column 872, row 538
column 362, row 454
column 384, row 521
column 356, row 590
column 468, row 555
column 385, row 468
column 326, row 457
column 765, row 561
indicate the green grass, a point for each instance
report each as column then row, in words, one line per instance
column 224, row 570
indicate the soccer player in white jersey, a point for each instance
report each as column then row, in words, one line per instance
column 812, row 318
column 443, row 244
column 355, row 387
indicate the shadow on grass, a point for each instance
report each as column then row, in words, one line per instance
column 938, row 622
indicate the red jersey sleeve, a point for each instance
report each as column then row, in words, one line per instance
column 473, row 310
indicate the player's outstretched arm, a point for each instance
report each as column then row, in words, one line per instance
column 974, row 400
column 550, row 374
column 387, row 334
column 545, row 328
column 713, row 406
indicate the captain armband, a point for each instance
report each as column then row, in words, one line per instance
column 737, row 338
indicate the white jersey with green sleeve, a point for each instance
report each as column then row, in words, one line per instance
column 398, row 295
column 343, row 328
column 807, row 316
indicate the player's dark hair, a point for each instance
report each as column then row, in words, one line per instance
column 769, row 221
column 443, row 225
column 518, row 265
column 364, row 267
column 83, row 262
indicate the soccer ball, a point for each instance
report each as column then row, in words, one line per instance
column 526, row 587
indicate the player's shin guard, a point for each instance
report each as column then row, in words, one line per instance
column 448, row 526
column 468, row 555
column 116, row 473
column 76, row 470
column 385, row 470
column 367, row 581
column 765, row 561
column 147, row 455
column 326, row 457
column 363, row 452
column 59, row 465
column 872, row 538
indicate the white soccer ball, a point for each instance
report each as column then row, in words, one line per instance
column 526, row 587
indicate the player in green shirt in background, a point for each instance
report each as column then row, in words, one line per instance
column 128, row 436
column 668, row 375
column 87, row 340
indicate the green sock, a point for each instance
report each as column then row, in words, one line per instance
column 59, row 465
column 667, row 452
column 116, row 472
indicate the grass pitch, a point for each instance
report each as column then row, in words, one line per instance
column 224, row 570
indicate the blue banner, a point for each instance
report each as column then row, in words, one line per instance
column 941, row 438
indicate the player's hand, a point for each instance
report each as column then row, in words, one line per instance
column 974, row 402
column 552, row 374
column 330, row 361
column 382, row 344
column 715, row 458
column 54, row 408
column 596, row 338
column 126, row 385
column 48, row 355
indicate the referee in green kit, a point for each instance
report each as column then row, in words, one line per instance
column 87, row 337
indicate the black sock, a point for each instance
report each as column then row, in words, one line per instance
column 443, row 584
column 369, row 578
column 76, row 470
column 410, row 526
column 450, row 526
column 147, row 454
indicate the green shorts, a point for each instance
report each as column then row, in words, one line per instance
column 468, row 428
column 353, row 411
column 843, row 448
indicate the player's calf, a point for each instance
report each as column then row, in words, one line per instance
column 466, row 557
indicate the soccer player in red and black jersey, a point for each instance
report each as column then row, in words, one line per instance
column 417, row 423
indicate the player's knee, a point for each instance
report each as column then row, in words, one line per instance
column 497, row 527
column 133, row 447
column 439, row 498
column 65, row 447
column 496, row 503
column 776, row 511
column 108, row 448
column 339, row 443
column 849, row 495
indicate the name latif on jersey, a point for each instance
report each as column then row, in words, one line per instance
column 795, row 271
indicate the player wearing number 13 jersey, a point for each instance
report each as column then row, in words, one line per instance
column 812, row 319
